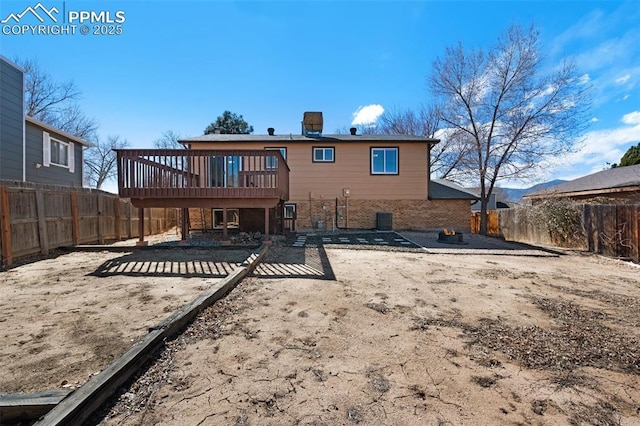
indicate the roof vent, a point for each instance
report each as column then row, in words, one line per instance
column 353, row 130
column 312, row 123
column 271, row 130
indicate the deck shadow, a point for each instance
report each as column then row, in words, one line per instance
column 296, row 262
column 184, row 263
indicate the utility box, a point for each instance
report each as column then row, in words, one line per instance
column 384, row 221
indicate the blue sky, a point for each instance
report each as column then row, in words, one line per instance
column 179, row 64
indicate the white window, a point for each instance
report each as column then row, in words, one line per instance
column 323, row 154
column 289, row 211
column 57, row 152
column 384, row 161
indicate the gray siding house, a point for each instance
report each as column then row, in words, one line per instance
column 30, row 150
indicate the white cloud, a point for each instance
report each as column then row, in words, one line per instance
column 624, row 98
column 584, row 79
column 367, row 114
column 631, row 118
column 623, row 79
column 594, row 120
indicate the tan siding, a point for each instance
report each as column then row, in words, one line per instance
column 350, row 170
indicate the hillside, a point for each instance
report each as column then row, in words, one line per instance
column 515, row 194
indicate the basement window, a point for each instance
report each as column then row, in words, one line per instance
column 233, row 218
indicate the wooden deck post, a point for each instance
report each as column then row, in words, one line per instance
column 141, row 241
column 5, row 226
column 225, row 234
column 185, row 224
column 266, row 222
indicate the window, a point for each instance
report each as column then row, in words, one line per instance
column 289, row 211
column 59, row 153
column 233, row 218
column 272, row 162
column 323, row 154
column 384, row 161
column 56, row 152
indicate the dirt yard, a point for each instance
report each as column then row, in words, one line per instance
column 64, row 319
column 342, row 336
column 338, row 335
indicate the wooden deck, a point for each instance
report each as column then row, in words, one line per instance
column 202, row 178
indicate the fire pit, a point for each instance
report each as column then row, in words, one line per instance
column 450, row 237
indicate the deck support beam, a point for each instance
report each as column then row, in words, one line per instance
column 141, row 241
column 266, row 222
column 225, row 234
column 184, row 230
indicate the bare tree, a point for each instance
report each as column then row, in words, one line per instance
column 55, row 103
column 168, row 140
column 446, row 155
column 511, row 115
column 100, row 160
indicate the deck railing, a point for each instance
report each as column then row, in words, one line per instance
column 202, row 173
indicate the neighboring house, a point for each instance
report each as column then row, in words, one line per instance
column 617, row 185
column 30, row 150
column 332, row 181
column 443, row 189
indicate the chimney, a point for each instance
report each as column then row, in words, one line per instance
column 353, row 130
column 217, row 131
column 271, row 130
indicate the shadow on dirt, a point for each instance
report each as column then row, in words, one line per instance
column 295, row 262
column 185, row 263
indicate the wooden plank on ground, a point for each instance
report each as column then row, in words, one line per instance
column 84, row 401
column 24, row 406
column 5, row 226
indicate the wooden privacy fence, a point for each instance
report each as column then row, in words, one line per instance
column 607, row 229
column 493, row 226
column 35, row 219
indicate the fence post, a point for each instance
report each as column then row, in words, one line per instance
column 129, row 231
column 5, row 226
column 117, row 218
column 42, row 223
column 74, row 216
column 100, row 221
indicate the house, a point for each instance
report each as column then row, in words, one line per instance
column 326, row 182
column 620, row 185
column 443, row 189
column 30, row 150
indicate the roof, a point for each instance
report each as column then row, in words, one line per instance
column 442, row 189
column 312, row 139
column 617, row 179
column 13, row 64
column 58, row 131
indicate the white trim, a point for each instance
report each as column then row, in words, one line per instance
column 62, row 133
column 46, row 149
column 24, row 129
column 68, row 145
column 71, row 158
